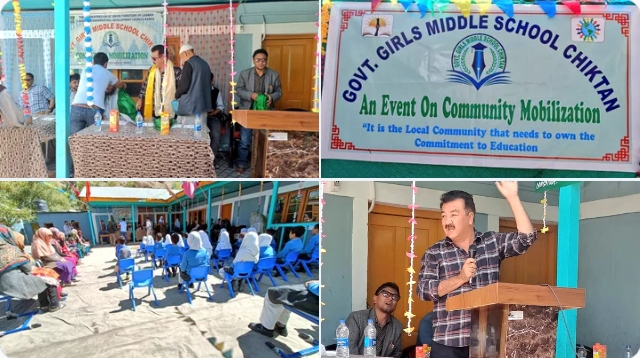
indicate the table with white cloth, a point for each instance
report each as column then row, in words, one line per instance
column 127, row 154
column 21, row 148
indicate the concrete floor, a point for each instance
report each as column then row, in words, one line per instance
column 99, row 321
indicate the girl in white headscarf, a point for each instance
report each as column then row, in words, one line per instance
column 249, row 251
column 194, row 257
column 266, row 251
column 224, row 243
column 167, row 240
column 206, row 242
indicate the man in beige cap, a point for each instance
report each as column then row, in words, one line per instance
column 194, row 87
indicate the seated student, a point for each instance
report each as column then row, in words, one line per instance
column 389, row 344
column 224, row 242
column 311, row 245
column 173, row 250
column 248, row 252
column 206, row 242
column 194, row 257
column 293, row 245
column 274, row 317
column 122, row 252
column 266, row 251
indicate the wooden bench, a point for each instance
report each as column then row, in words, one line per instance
column 102, row 236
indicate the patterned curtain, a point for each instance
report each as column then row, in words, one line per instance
column 207, row 30
column 37, row 53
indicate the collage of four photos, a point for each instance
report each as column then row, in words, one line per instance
column 319, row 178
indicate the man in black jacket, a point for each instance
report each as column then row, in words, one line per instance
column 215, row 117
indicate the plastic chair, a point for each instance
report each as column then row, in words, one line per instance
column 142, row 278
column 125, row 266
column 160, row 254
column 148, row 250
column 171, row 261
column 264, row 267
column 288, row 262
column 315, row 258
column 141, row 250
column 25, row 326
column 198, row 274
column 223, row 255
column 241, row 271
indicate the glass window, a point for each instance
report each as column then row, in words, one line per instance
column 312, row 206
column 131, row 75
column 294, row 206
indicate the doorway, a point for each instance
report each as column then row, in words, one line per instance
column 293, row 57
column 538, row 265
column 225, row 211
column 388, row 244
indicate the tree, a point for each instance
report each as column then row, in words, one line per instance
column 17, row 200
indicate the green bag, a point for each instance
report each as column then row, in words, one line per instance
column 126, row 105
column 260, row 103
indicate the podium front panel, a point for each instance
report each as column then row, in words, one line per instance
column 513, row 331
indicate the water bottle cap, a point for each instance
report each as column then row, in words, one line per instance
column 341, row 321
column 138, row 112
column 628, row 346
column 370, row 321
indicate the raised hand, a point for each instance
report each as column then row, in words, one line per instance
column 508, row 189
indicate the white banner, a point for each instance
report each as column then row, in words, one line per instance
column 126, row 37
column 484, row 90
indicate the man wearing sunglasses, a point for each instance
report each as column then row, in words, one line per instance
column 466, row 260
column 389, row 328
column 152, row 92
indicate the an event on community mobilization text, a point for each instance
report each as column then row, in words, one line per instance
column 522, row 90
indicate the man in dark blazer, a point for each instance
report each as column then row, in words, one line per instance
column 251, row 82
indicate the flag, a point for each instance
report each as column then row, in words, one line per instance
column 75, row 190
column 189, row 188
column 88, row 194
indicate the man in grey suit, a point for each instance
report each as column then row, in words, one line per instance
column 253, row 81
column 389, row 328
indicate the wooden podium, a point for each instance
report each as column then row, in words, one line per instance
column 511, row 320
column 264, row 121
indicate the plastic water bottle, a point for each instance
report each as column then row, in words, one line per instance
column 139, row 121
column 342, row 338
column 197, row 127
column 370, row 340
column 97, row 119
column 628, row 353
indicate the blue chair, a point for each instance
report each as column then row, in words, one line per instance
column 160, row 254
column 264, row 267
column 141, row 250
column 148, row 250
column 241, row 271
column 25, row 326
column 198, row 274
column 315, row 258
column 125, row 266
column 288, row 262
column 172, row 261
column 223, row 255
column 183, row 250
column 142, row 278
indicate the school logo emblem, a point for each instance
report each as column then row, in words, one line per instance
column 479, row 60
column 110, row 39
column 587, row 29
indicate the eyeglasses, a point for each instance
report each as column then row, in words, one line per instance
column 387, row 294
column 260, row 59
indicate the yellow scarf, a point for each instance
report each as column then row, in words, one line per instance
column 149, row 93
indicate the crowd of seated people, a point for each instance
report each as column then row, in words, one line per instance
column 46, row 270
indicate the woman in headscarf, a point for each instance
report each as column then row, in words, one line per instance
column 167, row 240
column 266, row 251
column 16, row 279
column 74, row 239
column 249, row 251
column 194, row 257
column 42, row 250
column 206, row 242
column 62, row 249
column 224, row 242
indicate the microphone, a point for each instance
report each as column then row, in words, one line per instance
column 472, row 255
